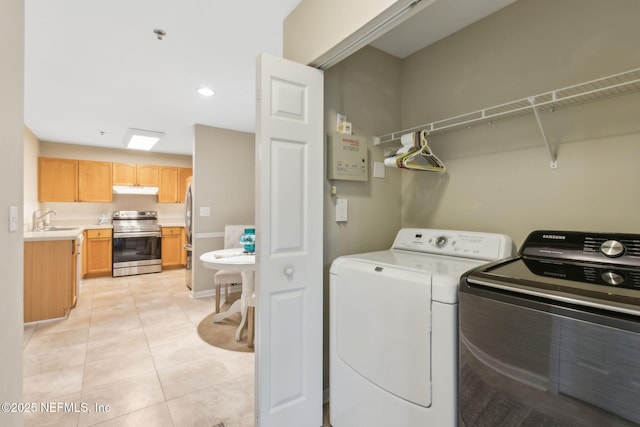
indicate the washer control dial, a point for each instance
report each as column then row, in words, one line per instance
column 612, row 278
column 612, row 248
column 441, row 241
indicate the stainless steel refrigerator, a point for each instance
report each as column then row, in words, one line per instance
column 188, row 207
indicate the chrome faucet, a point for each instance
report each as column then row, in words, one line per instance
column 37, row 217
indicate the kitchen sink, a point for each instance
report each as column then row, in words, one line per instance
column 53, row 228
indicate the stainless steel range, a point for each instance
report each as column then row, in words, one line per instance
column 136, row 243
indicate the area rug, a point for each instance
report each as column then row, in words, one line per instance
column 223, row 334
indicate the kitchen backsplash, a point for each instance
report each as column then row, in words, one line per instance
column 89, row 213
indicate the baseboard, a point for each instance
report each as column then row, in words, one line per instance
column 203, row 294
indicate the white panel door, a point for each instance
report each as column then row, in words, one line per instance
column 289, row 165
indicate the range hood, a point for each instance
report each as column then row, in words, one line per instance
column 135, row 189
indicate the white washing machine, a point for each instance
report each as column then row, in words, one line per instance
column 394, row 328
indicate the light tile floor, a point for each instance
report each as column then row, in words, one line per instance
column 131, row 343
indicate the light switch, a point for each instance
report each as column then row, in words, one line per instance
column 341, row 210
column 13, row 219
column 378, row 170
column 205, row 211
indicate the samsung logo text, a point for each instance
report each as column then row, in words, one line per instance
column 553, row 237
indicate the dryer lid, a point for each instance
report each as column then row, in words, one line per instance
column 442, row 273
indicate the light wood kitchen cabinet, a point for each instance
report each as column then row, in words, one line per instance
column 184, row 175
column 167, row 184
column 95, row 181
column 67, row 180
column 172, row 247
column 124, row 174
column 147, row 175
column 172, row 184
column 49, row 273
column 134, row 174
column 57, row 180
column 97, row 253
column 75, row 280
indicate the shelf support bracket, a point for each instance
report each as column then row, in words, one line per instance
column 554, row 160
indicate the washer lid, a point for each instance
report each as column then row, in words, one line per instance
column 607, row 287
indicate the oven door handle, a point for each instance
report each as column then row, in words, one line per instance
column 137, row 234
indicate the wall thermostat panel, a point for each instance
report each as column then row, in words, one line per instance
column 347, row 157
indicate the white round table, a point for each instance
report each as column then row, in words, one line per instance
column 234, row 260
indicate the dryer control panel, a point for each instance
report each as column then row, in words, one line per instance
column 467, row 244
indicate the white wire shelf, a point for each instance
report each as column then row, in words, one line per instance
column 595, row 90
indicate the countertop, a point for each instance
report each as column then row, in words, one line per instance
column 171, row 223
column 36, row 236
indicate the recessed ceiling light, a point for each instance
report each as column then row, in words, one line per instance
column 205, row 91
column 138, row 139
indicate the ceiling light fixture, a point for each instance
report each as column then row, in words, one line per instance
column 205, row 91
column 138, row 139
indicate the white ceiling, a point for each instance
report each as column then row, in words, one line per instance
column 95, row 68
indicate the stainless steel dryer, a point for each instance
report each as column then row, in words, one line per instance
column 552, row 336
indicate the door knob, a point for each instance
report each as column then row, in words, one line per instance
column 288, row 271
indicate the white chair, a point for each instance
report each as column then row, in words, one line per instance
column 232, row 235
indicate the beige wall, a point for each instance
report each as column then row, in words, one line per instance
column 88, row 213
column 224, row 177
column 365, row 87
column 31, row 153
column 11, row 193
column 498, row 177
